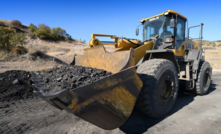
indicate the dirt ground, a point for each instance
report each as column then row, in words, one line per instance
column 190, row 115
column 52, row 54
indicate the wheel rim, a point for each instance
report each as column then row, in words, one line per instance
column 206, row 78
column 165, row 89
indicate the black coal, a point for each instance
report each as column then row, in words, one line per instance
column 70, row 77
column 16, row 85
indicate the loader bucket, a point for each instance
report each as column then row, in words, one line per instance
column 106, row 103
column 97, row 57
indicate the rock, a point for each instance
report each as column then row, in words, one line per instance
column 70, row 76
column 49, row 71
column 59, row 79
column 16, row 81
column 65, row 77
column 46, row 80
column 93, row 74
column 4, row 106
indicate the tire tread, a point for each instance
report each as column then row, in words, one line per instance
column 147, row 70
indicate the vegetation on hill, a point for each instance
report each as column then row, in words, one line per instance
column 12, row 42
column 46, row 33
column 16, row 23
column 41, row 31
column 13, row 35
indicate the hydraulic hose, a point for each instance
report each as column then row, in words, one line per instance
column 138, row 44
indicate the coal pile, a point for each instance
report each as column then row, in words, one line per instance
column 22, row 111
column 16, row 85
column 70, row 77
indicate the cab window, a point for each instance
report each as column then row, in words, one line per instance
column 180, row 36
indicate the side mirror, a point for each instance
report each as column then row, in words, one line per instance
column 137, row 31
column 172, row 23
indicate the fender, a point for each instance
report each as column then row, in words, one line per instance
column 164, row 54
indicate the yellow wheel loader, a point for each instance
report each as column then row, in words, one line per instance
column 146, row 74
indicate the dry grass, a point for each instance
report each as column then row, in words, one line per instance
column 50, row 54
column 213, row 56
column 23, row 28
column 8, row 22
column 63, row 50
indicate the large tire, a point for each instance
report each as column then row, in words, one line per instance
column 160, row 87
column 203, row 78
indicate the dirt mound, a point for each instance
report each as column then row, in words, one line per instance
column 15, row 85
column 70, row 77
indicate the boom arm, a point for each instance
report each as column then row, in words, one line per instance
column 117, row 42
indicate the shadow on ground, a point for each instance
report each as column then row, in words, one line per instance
column 139, row 123
column 41, row 55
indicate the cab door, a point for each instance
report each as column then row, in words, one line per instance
column 180, row 37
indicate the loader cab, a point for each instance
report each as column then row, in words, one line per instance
column 167, row 29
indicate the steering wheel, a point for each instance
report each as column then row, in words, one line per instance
column 159, row 42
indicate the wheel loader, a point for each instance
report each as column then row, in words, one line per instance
column 145, row 74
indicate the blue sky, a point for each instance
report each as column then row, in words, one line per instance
column 81, row 18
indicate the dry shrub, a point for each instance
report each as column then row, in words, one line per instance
column 18, row 50
column 2, row 23
column 31, row 35
column 16, row 23
column 32, row 28
column 39, row 54
column 43, row 32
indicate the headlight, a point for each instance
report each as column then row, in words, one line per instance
column 166, row 13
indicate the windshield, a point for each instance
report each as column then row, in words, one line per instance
column 157, row 26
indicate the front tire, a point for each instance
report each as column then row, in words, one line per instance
column 160, row 87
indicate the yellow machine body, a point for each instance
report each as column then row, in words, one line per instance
column 140, row 51
column 169, row 11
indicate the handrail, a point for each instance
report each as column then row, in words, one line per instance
column 200, row 33
column 103, row 35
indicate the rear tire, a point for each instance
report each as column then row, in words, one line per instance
column 203, row 78
column 160, row 87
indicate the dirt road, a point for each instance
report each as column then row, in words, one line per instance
column 191, row 114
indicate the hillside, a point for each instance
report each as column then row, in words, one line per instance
column 7, row 23
column 42, row 54
column 211, row 43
